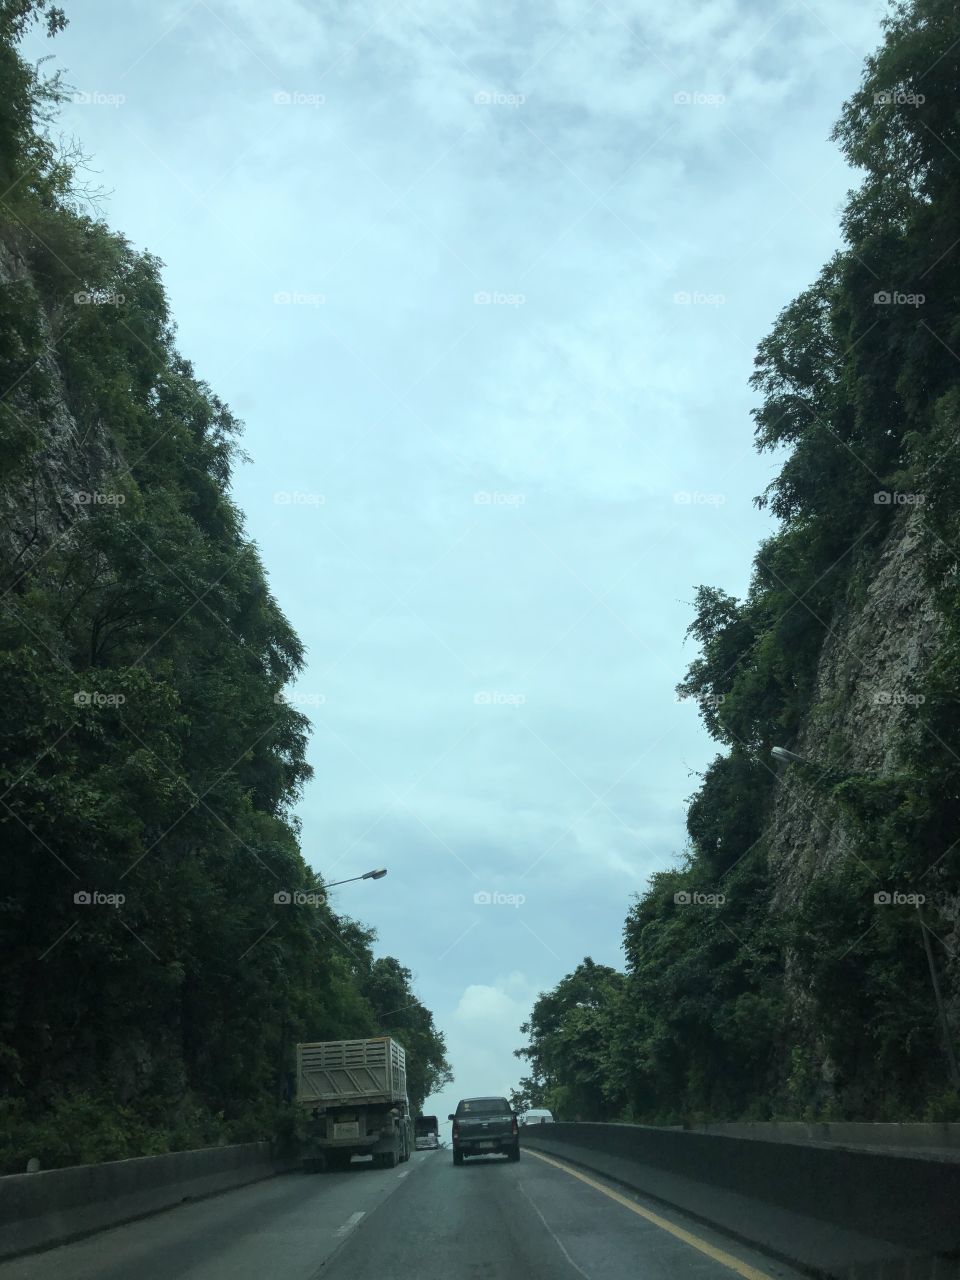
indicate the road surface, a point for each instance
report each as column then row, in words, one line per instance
column 426, row 1220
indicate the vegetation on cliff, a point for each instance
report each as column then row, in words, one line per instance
column 149, row 763
column 821, row 1007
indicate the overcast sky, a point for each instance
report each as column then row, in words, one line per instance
column 485, row 282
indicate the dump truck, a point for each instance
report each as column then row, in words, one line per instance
column 351, row 1100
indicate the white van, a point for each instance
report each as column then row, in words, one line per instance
column 537, row 1115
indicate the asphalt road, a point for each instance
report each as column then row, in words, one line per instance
column 426, row 1220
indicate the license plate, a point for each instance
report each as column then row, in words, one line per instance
column 345, row 1130
column 486, row 1146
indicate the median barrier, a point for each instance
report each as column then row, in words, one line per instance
column 38, row 1210
column 835, row 1210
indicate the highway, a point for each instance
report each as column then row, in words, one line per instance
column 426, row 1220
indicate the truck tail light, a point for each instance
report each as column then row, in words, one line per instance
column 456, row 1128
column 513, row 1127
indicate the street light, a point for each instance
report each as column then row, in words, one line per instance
column 367, row 875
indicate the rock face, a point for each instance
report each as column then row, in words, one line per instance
column 867, row 705
column 54, row 489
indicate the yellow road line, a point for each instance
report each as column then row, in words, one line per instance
column 718, row 1255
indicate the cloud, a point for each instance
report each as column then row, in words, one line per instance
column 482, row 1032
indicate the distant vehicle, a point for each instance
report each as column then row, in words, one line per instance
column 484, row 1126
column 427, row 1131
column 537, row 1115
column 352, row 1101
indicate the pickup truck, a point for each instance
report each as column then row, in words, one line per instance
column 484, row 1126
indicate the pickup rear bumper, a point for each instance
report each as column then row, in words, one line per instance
column 492, row 1144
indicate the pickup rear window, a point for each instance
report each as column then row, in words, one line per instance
column 480, row 1106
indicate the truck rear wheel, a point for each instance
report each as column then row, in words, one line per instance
column 389, row 1159
column 458, row 1157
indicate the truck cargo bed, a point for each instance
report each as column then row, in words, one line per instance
column 333, row 1072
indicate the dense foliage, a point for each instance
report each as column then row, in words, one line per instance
column 154, row 988
column 750, row 1010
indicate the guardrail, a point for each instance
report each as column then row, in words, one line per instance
column 838, row 1210
column 38, row 1210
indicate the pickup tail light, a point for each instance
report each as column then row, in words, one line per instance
column 513, row 1127
column 456, row 1128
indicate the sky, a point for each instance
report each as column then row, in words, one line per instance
column 484, row 283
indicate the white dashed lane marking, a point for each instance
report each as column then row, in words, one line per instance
column 350, row 1223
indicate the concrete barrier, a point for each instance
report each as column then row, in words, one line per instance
column 913, row 1136
column 42, row 1209
column 853, row 1213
